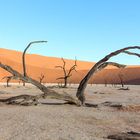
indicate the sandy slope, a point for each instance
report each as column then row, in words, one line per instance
column 55, row 121
column 37, row 65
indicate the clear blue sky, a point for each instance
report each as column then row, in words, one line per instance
column 88, row 29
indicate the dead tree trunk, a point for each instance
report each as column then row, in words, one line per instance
column 121, row 80
column 66, row 74
column 105, row 82
column 65, row 82
column 80, row 92
column 9, row 78
column 41, row 78
column 125, row 136
column 23, row 57
column 99, row 66
column 8, row 82
column 46, row 92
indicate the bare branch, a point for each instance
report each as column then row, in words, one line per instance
column 105, row 64
column 5, row 77
column 9, row 78
column 121, row 79
column 84, row 82
column 41, row 78
column 46, row 92
column 106, row 58
column 131, row 53
column 63, row 67
column 73, row 68
column 67, row 74
column 63, row 61
column 59, row 67
column 23, row 55
column 60, row 78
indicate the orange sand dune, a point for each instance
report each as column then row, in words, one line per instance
column 41, row 61
column 37, row 65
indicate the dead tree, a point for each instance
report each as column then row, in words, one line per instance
column 28, row 99
column 99, row 66
column 9, row 78
column 41, row 78
column 33, row 100
column 23, row 56
column 112, row 82
column 67, row 74
column 105, row 82
column 121, row 79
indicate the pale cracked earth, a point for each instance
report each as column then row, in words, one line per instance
column 54, row 120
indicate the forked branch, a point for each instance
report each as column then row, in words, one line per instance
column 24, row 52
column 9, row 78
column 23, row 56
column 41, row 77
column 132, row 53
column 99, row 66
column 68, row 73
column 46, row 92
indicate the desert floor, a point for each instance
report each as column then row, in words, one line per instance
column 54, row 120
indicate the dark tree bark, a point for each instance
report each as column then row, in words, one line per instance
column 53, row 94
column 98, row 66
column 23, row 57
column 46, row 92
column 41, row 78
column 121, row 80
column 9, row 78
column 105, row 82
column 68, row 74
column 125, row 136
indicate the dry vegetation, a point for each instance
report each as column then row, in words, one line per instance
column 109, row 111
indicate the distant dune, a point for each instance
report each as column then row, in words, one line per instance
column 37, row 65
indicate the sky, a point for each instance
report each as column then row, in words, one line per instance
column 87, row 29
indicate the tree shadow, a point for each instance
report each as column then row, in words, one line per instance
column 55, row 103
column 91, row 105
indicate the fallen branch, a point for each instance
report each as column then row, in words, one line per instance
column 127, row 88
column 46, row 92
column 125, row 136
column 112, row 104
column 22, row 100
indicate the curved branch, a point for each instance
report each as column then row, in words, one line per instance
column 131, row 53
column 105, row 64
column 64, row 66
column 72, row 68
column 60, row 78
column 84, row 82
column 46, row 92
column 67, row 74
column 23, row 55
column 59, row 67
column 9, row 78
column 41, row 78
